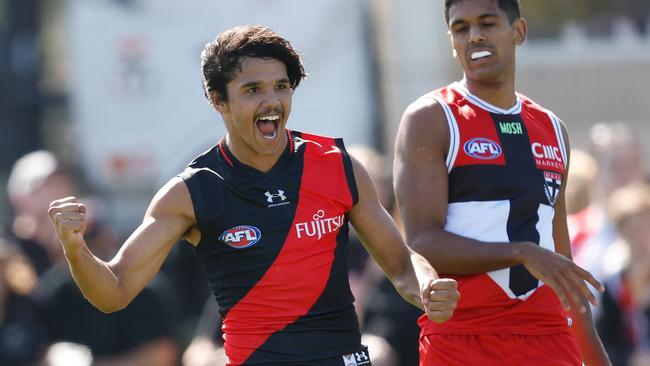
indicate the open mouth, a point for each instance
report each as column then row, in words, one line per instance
column 478, row 55
column 268, row 126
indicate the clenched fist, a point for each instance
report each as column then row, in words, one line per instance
column 440, row 298
column 69, row 219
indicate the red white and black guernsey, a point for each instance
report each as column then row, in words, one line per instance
column 274, row 247
column 505, row 171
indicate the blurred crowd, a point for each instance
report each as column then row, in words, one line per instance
column 45, row 320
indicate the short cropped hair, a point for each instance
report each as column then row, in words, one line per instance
column 221, row 58
column 510, row 7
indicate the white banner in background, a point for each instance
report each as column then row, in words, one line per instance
column 136, row 90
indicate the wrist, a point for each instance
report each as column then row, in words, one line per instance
column 74, row 251
column 521, row 252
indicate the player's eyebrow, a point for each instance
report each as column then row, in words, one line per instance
column 250, row 84
column 255, row 83
column 485, row 16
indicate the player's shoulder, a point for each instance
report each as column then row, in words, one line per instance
column 206, row 163
column 204, row 158
column 424, row 115
column 536, row 108
column 310, row 136
column 320, row 145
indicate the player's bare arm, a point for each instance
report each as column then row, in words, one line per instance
column 411, row 274
column 110, row 286
column 421, row 188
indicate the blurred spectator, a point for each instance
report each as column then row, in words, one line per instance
column 203, row 351
column 583, row 216
column 67, row 354
column 619, row 155
column 619, row 161
column 389, row 322
column 139, row 335
column 582, row 172
column 624, row 317
column 191, row 288
column 383, row 354
column 34, row 180
column 22, row 336
column 206, row 349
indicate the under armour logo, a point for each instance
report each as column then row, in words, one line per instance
column 270, row 197
column 276, row 199
column 361, row 356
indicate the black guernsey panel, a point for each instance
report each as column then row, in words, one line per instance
column 274, row 248
column 516, row 181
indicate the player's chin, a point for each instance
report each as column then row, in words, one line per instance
column 484, row 73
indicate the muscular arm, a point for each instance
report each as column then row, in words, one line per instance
column 110, row 286
column 410, row 273
column 421, row 188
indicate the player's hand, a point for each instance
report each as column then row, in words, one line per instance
column 69, row 219
column 439, row 298
column 567, row 279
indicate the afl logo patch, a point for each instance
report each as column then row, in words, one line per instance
column 240, row 237
column 482, row 148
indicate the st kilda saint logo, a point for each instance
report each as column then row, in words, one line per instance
column 552, row 185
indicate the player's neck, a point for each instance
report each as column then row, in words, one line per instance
column 248, row 156
column 500, row 94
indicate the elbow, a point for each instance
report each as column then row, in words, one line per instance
column 431, row 249
column 110, row 307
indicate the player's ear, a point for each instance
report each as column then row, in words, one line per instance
column 451, row 42
column 217, row 102
column 520, row 27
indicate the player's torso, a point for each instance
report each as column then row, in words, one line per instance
column 505, row 168
column 274, row 248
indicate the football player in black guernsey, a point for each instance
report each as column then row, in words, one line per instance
column 267, row 210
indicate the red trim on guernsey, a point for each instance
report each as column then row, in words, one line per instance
column 290, row 138
column 223, row 153
column 479, row 139
column 299, row 275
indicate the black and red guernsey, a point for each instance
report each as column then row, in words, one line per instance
column 274, row 247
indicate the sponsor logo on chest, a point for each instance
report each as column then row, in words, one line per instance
column 319, row 226
column 240, row 237
column 511, row 128
column 482, row 148
column 547, row 156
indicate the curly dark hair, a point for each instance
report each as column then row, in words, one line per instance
column 221, row 58
column 510, row 7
